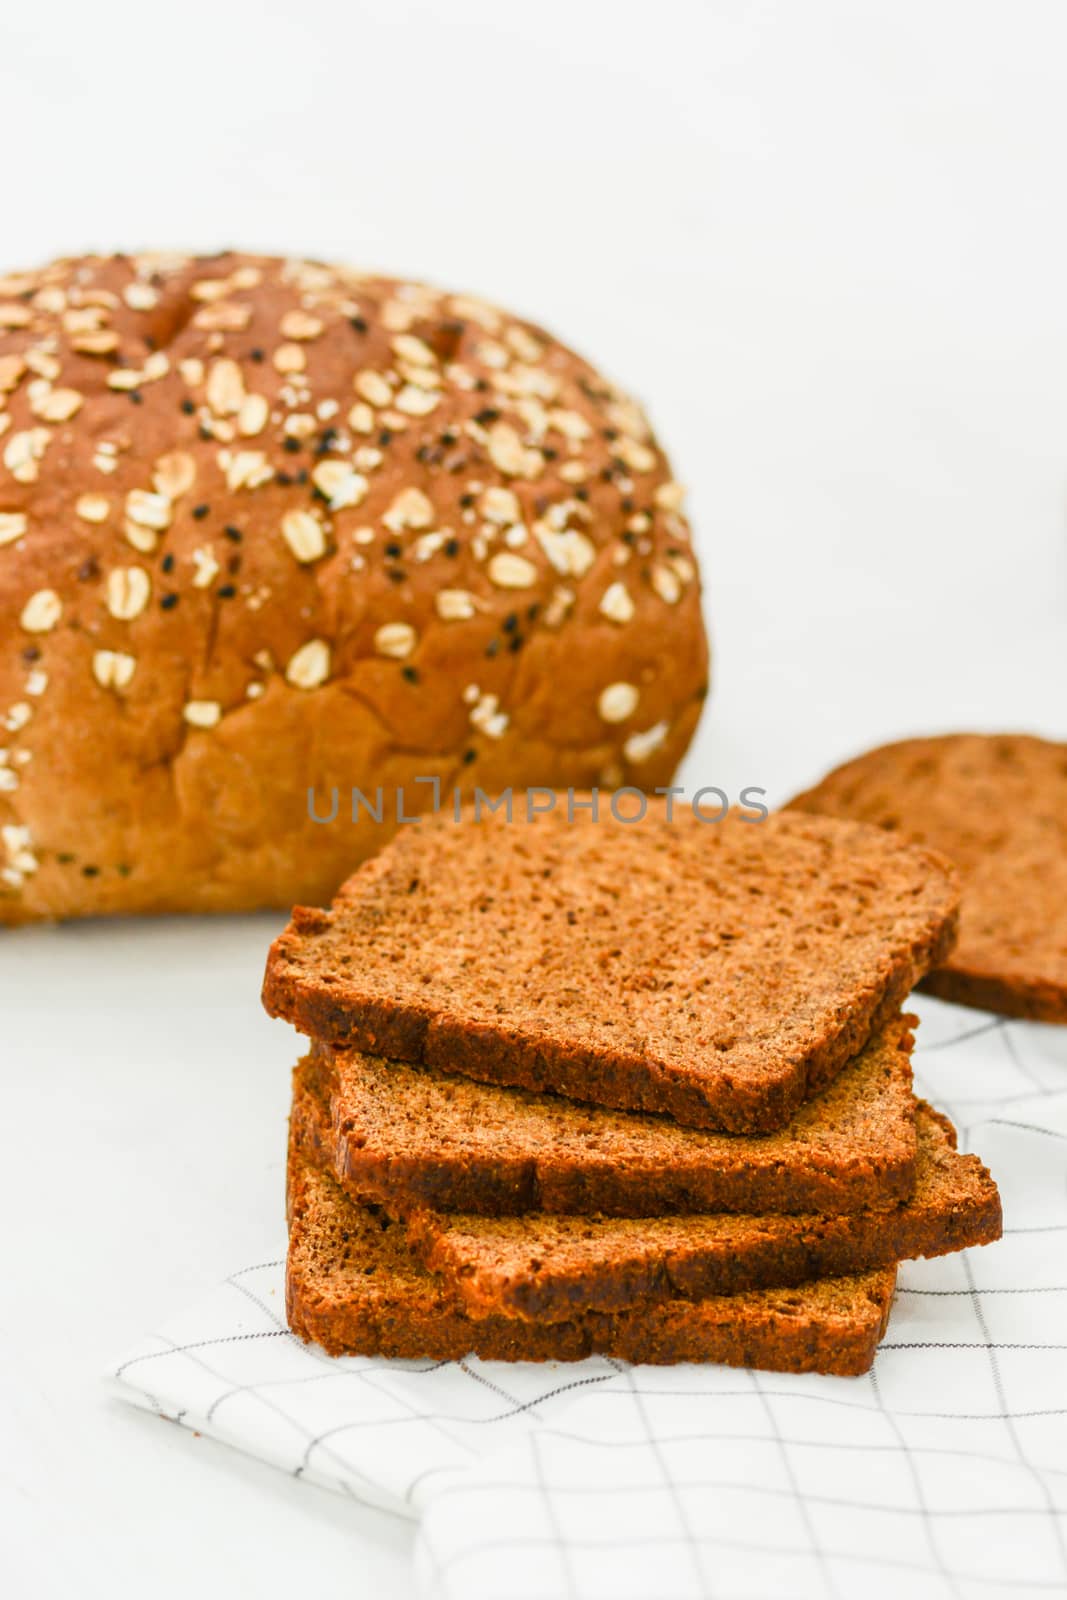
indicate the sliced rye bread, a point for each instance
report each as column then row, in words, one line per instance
column 552, row 1268
column 354, row 1288
column 721, row 974
column 996, row 804
column 409, row 1134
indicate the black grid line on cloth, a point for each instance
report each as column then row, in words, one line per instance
column 829, row 1581
column 949, row 1294
column 280, row 1383
column 171, row 1349
column 952, row 1102
column 690, row 1541
column 551, row 1394
column 965, row 1344
column 1009, row 1420
column 497, row 1389
column 1027, row 1127
column 559, row 1544
column 1008, row 1037
column 995, row 1025
column 249, row 1294
column 438, row 1420
column 933, row 1544
column 301, row 1428
column 413, row 1414
column 269, row 1312
column 520, row 1485
column 340, row 1463
column 793, row 1439
column 748, row 1546
column 829, row 1400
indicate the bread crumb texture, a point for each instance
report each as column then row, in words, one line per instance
column 267, row 525
column 719, row 974
column 996, row 805
column 408, row 1134
column 353, row 1286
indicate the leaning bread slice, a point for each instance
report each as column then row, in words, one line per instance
column 552, row 1267
column 409, row 1134
column 353, row 1287
column 720, row 974
column 996, row 804
column 548, row 1267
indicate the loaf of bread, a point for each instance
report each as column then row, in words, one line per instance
column 270, row 527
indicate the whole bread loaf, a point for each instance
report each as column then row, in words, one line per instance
column 269, row 526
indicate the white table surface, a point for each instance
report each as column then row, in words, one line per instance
column 827, row 243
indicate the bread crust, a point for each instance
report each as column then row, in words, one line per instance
column 996, row 805
column 269, row 527
column 397, row 1309
column 544, row 1268
column 411, row 1136
column 600, row 999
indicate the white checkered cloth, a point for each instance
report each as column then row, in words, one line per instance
column 942, row 1473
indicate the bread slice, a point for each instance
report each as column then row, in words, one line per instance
column 354, row 1288
column 410, row 1134
column 720, row 974
column 551, row 1268
column 548, row 1267
column 996, row 804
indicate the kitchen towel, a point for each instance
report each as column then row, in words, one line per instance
column 943, row 1471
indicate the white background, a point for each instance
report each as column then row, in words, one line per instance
column 827, row 243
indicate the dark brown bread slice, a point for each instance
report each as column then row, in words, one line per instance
column 552, row 1268
column 406, row 1134
column 353, row 1287
column 721, row 974
column 996, row 804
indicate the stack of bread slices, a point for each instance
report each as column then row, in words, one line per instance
column 639, row 1088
